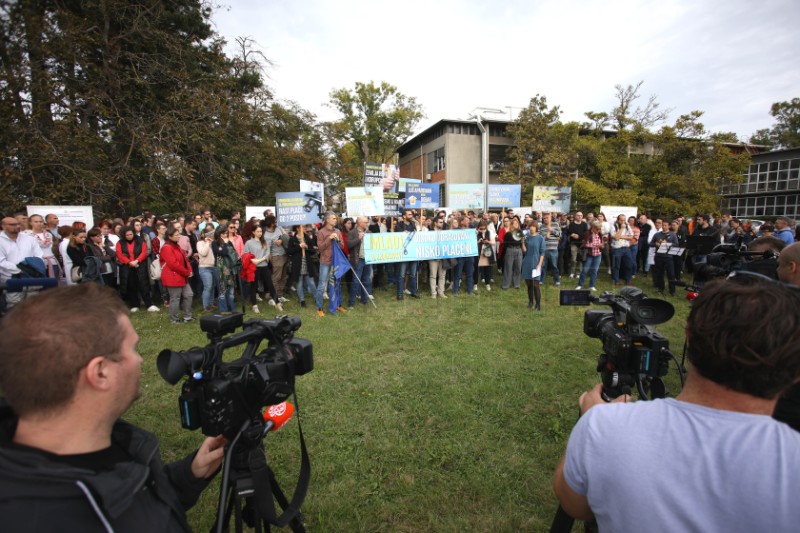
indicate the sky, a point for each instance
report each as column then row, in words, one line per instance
column 731, row 59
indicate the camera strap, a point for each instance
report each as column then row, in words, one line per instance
column 266, row 485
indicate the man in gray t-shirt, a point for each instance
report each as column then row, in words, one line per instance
column 711, row 459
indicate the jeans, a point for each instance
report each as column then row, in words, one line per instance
column 634, row 251
column 210, row 278
column 464, row 264
column 410, row 268
column 363, row 271
column 324, row 274
column 590, row 266
column 307, row 282
column 226, row 304
column 622, row 259
column 551, row 263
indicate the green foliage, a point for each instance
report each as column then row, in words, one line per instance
column 376, row 119
column 786, row 131
column 132, row 105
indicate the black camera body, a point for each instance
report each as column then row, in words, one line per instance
column 727, row 258
column 219, row 397
column 634, row 353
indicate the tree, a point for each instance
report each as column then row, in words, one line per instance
column 544, row 147
column 786, row 131
column 376, row 119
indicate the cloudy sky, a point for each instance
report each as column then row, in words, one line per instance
column 729, row 58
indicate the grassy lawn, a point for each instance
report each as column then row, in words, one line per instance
column 421, row 415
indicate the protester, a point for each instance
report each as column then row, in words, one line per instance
column 621, row 239
column 228, row 266
column 304, row 269
column 134, row 282
column 105, row 253
column 714, row 447
column 327, row 238
column 362, row 270
column 486, row 258
column 533, row 247
column 175, row 274
column 46, row 242
column 275, row 238
column 551, row 232
column 207, row 266
column 593, row 243
column 512, row 246
column 259, row 251
column 576, row 230
column 68, row 462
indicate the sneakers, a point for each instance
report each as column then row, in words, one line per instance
column 153, row 309
column 475, row 287
column 557, row 284
column 407, row 291
column 341, row 309
column 282, row 300
column 259, row 298
column 320, row 313
column 325, row 295
column 279, row 307
column 442, row 296
column 572, row 276
column 489, row 288
column 255, row 309
column 271, row 302
column 173, row 321
column 592, row 289
column 189, row 319
column 134, row 309
column 578, row 288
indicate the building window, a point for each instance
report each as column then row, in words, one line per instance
column 436, row 160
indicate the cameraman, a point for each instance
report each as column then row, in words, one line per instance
column 67, row 460
column 711, row 459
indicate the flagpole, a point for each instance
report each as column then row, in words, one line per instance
column 370, row 297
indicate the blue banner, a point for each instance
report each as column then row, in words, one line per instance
column 293, row 208
column 419, row 196
column 504, row 195
column 419, row 245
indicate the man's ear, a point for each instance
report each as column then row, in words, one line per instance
column 97, row 373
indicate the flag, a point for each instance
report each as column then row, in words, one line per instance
column 341, row 266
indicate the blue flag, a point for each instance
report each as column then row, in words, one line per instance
column 340, row 266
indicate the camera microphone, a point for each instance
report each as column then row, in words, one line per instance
column 277, row 415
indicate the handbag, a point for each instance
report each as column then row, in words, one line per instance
column 155, row 269
column 583, row 254
column 76, row 274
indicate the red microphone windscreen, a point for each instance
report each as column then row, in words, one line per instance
column 279, row 414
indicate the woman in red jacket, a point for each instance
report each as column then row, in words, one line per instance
column 175, row 273
column 134, row 281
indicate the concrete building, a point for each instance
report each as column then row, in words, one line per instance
column 450, row 152
column 771, row 187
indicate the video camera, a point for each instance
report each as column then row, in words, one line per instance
column 219, row 397
column 634, row 353
column 727, row 258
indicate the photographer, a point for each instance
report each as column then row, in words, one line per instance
column 712, row 459
column 67, row 460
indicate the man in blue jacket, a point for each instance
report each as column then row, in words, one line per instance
column 67, row 460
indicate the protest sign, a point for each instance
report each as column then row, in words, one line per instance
column 382, row 175
column 465, row 196
column 554, row 199
column 67, row 214
column 504, row 196
column 297, row 208
column 419, row 196
column 613, row 211
column 364, row 201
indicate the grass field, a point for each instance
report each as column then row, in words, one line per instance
column 421, row 415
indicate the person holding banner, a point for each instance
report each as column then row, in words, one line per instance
column 407, row 225
column 327, row 237
column 361, row 270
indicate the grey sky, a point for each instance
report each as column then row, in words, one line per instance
column 731, row 59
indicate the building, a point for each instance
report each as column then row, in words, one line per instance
column 771, row 187
column 450, row 152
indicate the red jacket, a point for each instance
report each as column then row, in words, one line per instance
column 175, row 268
column 248, row 272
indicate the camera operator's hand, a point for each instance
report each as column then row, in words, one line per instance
column 209, row 456
column 594, row 397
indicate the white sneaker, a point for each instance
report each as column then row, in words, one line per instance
column 578, row 288
column 153, row 309
column 271, row 302
column 259, row 298
column 134, row 309
column 572, row 276
column 282, row 300
column 593, row 289
column 443, row 296
column 279, row 306
column 255, row 309
column 489, row 288
column 557, row 283
column 407, row 291
column 474, row 288
column 325, row 295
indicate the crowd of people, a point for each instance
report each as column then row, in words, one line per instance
column 173, row 261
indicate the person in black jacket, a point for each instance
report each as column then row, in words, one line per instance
column 67, row 460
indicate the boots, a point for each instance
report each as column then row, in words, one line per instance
column 537, row 291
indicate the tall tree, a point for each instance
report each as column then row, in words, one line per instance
column 544, row 147
column 376, row 119
column 785, row 133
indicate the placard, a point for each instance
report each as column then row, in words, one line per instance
column 552, row 199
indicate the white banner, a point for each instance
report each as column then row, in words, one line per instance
column 67, row 214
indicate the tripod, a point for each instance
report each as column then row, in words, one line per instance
column 249, row 485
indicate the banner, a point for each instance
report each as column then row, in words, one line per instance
column 504, row 196
column 465, row 196
column 555, row 199
column 313, row 186
column 419, row 196
column 419, row 245
column 364, row 201
column 67, row 214
column 382, row 175
column 403, row 183
column 393, row 203
column 257, row 211
column 613, row 211
column 297, row 208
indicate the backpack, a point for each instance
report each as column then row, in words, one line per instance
column 155, row 268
